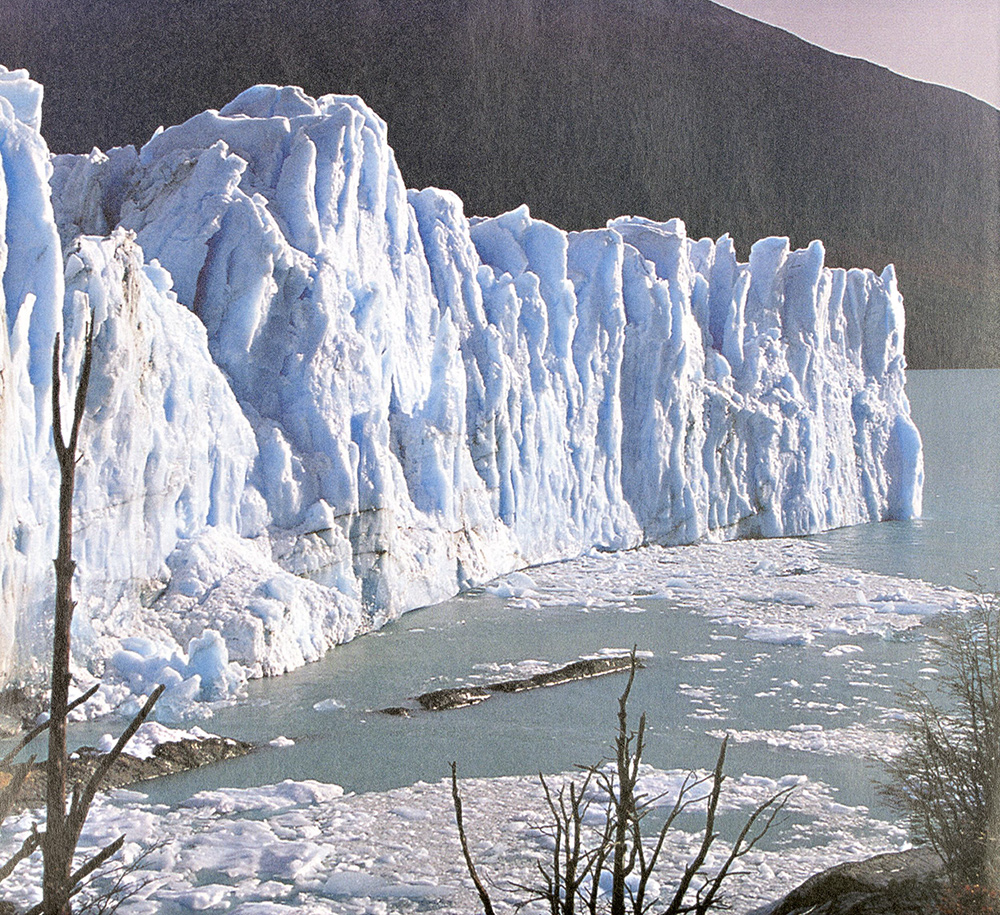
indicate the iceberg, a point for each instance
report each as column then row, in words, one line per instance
column 321, row 399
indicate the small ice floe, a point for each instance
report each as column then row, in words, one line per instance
column 854, row 740
column 744, row 584
column 779, row 634
column 840, row 650
column 328, row 705
column 618, row 653
column 516, row 584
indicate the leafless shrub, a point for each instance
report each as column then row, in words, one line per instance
column 947, row 778
column 63, row 877
column 586, row 855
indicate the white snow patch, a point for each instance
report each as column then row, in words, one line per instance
column 149, row 736
column 302, row 845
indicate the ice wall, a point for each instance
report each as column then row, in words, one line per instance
column 320, row 399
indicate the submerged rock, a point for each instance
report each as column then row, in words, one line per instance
column 584, row 669
column 459, row 697
column 462, row 696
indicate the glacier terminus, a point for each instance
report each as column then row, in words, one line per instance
column 320, row 399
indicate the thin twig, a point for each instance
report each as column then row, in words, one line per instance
column 31, row 842
column 40, row 728
column 82, row 801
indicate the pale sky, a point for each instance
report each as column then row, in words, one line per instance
column 952, row 42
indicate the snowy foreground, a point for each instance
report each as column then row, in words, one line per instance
column 320, row 399
column 308, row 847
column 305, row 847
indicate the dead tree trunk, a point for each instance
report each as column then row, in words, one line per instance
column 57, row 844
column 60, row 882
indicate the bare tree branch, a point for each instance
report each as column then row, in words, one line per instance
column 615, row 847
column 698, row 861
column 82, row 800
column 484, row 896
column 31, row 842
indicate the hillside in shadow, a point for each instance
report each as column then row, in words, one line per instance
column 585, row 110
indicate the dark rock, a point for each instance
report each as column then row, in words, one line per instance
column 898, row 883
column 439, row 700
column 167, row 759
column 577, row 670
column 456, row 697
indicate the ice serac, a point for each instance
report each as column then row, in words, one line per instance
column 31, row 288
column 760, row 394
column 320, row 399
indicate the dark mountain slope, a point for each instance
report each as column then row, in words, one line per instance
column 584, row 109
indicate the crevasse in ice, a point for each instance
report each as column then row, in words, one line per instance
column 320, row 399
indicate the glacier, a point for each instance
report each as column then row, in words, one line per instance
column 320, row 399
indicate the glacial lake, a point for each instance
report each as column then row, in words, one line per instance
column 795, row 648
column 704, row 676
column 958, row 415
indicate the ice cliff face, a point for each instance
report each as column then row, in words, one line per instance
column 320, row 399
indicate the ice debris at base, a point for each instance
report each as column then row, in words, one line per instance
column 320, row 399
column 744, row 584
column 857, row 740
column 305, row 847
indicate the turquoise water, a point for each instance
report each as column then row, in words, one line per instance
column 552, row 730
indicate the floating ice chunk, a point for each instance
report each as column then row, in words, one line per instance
column 357, row 884
column 270, row 797
column 328, row 705
column 840, row 650
column 516, row 584
column 779, row 634
column 857, row 739
column 796, row 598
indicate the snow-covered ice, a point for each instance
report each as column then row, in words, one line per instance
column 143, row 743
column 309, row 848
column 321, row 399
column 857, row 740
